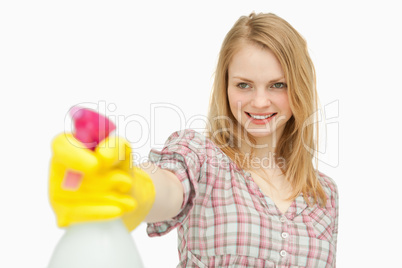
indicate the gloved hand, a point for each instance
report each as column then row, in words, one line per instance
column 86, row 185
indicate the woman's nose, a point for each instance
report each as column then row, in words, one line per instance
column 261, row 99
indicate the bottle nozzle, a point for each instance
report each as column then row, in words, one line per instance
column 90, row 127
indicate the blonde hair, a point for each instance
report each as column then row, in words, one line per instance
column 297, row 141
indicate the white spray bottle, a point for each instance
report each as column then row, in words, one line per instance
column 99, row 244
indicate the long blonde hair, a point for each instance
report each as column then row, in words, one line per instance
column 298, row 139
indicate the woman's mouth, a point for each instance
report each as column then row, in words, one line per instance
column 260, row 119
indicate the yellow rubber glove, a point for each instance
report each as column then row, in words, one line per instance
column 87, row 185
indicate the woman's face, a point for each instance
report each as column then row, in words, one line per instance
column 257, row 92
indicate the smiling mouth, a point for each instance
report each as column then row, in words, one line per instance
column 261, row 117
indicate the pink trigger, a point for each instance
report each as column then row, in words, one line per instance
column 72, row 180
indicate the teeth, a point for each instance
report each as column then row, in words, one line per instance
column 261, row 116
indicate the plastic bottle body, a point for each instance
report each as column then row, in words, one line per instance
column 102, row 244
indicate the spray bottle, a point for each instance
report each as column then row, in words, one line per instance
column 99, row 244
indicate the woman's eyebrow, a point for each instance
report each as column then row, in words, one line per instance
column 280, row 79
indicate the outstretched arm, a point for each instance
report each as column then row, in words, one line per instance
column 168, row 193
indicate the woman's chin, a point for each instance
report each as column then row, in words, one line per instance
column 259, row 134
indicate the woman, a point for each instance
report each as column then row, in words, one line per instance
column 247, row 195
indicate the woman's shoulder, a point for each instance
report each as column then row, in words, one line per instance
column 194, row 140
column 188, row 136
column 328, row 184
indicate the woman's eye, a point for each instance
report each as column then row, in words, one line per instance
column 279, row 85
column 243, row 85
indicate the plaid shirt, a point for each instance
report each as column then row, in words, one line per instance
column 226, row 221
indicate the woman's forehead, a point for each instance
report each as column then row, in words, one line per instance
column 255, row 63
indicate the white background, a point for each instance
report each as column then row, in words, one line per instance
column 128, row 55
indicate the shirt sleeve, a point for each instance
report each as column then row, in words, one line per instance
column 333, row 201
column 183, row 155
column 335, row 234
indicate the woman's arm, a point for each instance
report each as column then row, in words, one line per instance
column 168, row 193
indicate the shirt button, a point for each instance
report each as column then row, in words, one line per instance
column 285, row 235
column 283, row 219
column 283, row 253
